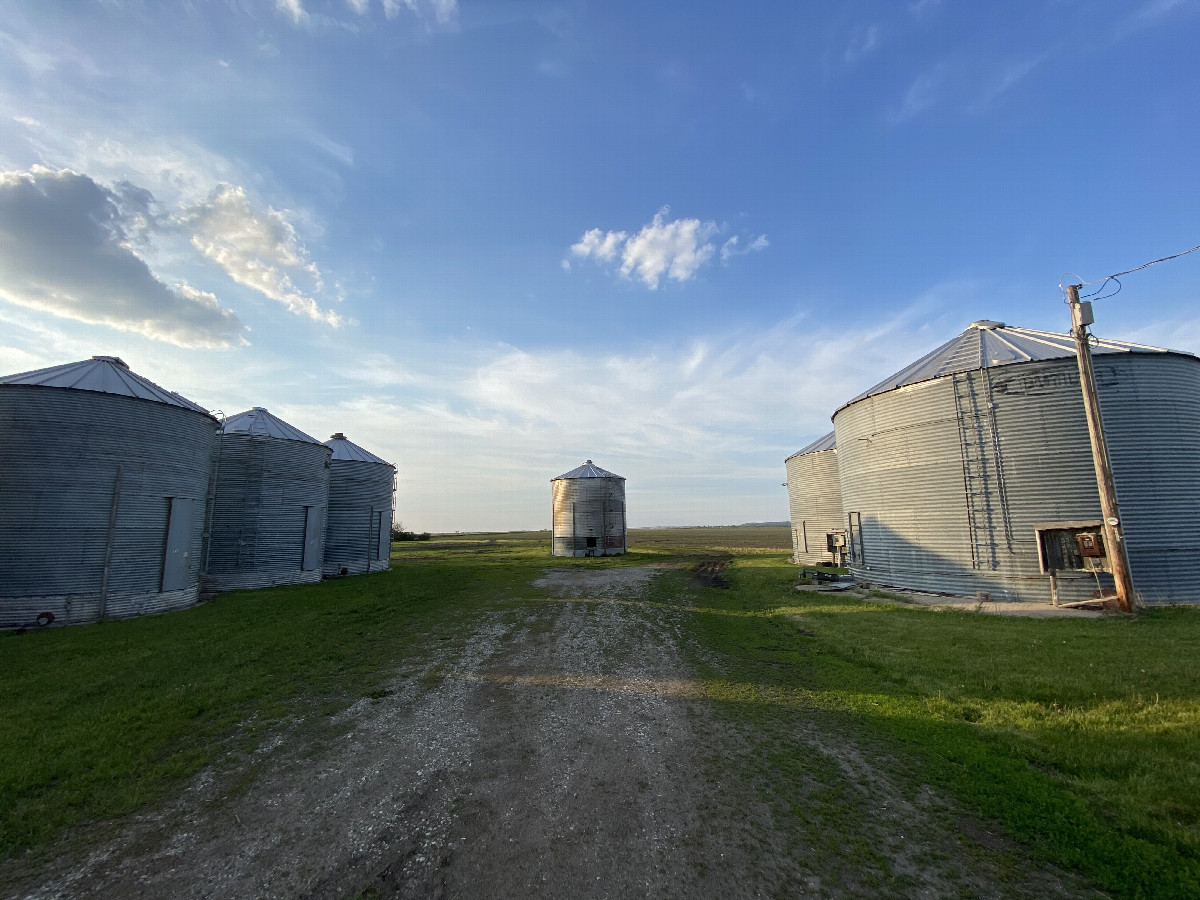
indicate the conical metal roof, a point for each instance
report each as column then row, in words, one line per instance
column 825, row 442
column 104, row 375
column 348, row 450
column 588, row 470
column 259, row 422
column 986, row 344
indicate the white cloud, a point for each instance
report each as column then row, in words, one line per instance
column 676, row 249
column 359, row 6
column 255, row 248
column 599, row 244
column 700, row 428
column 732, row 248
column 293, row 9
column 443, row 11
column 68, row 247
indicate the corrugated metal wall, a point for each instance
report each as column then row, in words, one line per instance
column 944, row 482
column 60, row 451
column 1156, row 464
column 815, row 504
column 358, row 532
column 269, row 497
column 588, row 508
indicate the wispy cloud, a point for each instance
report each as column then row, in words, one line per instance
column 442, row 11
column 674, row 249
column 256, row 248
column 292, row 9
column 675, row 418
column 926, row 90
column 920, row 8
column 67, row 247
column 1151, row 14
column 864, row 40
column 1007, row 76
column 1157, row 9
column 732, row 247
column 699, row 425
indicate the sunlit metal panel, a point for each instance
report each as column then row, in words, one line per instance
column 361, row 492
column 272, row 482
column 92, row 459
column 588, row 513
column 814, row 500
column 951, row 475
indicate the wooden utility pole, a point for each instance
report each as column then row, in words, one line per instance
column 1114, row 539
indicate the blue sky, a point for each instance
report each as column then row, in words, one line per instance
column 490, row 240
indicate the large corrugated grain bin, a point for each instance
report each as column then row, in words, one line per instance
column 358, row 536
column 104, row 478
column 957, row 470
column 588, row 513
column 815, row 503
column 268, row 517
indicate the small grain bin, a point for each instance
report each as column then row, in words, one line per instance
column 104, row 478
column 815, row 503
column 970, row 471
column 268, row 518
column 588, row 513
column 358, row 536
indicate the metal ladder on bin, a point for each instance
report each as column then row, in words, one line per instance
column 983, row 477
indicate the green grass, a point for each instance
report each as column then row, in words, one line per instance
column 734, row 537
column 99, row 719
column 1080, row 738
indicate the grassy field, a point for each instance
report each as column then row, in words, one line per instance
column 1080, row 738
column 729, row 537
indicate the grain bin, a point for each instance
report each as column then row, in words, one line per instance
column 358, row 536
column 268, row 517
column 104, row 478
column 956, row 469
column 588, row 513
column 815, row 503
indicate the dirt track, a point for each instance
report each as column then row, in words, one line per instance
column 556, row 751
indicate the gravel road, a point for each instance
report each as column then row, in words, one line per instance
column 554, row 751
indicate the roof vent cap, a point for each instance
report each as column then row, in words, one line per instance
column 987, row 325
column 589, row 463
column 337, row 436
column 116, row 360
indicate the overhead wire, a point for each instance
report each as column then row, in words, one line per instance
column 1116, row 276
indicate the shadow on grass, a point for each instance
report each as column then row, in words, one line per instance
column 1082, row 738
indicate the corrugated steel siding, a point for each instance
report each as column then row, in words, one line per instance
column 355, row 538
column 815, row 504
column 951, row 476
column 588, row 508
column 59, row 454
column 263, row 486
column 1156, row 465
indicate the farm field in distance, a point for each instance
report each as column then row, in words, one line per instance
column 763, row 537
column 678, row 721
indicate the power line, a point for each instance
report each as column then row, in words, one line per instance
column 1103, row 282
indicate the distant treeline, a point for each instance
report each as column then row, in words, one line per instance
column 399, row 534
